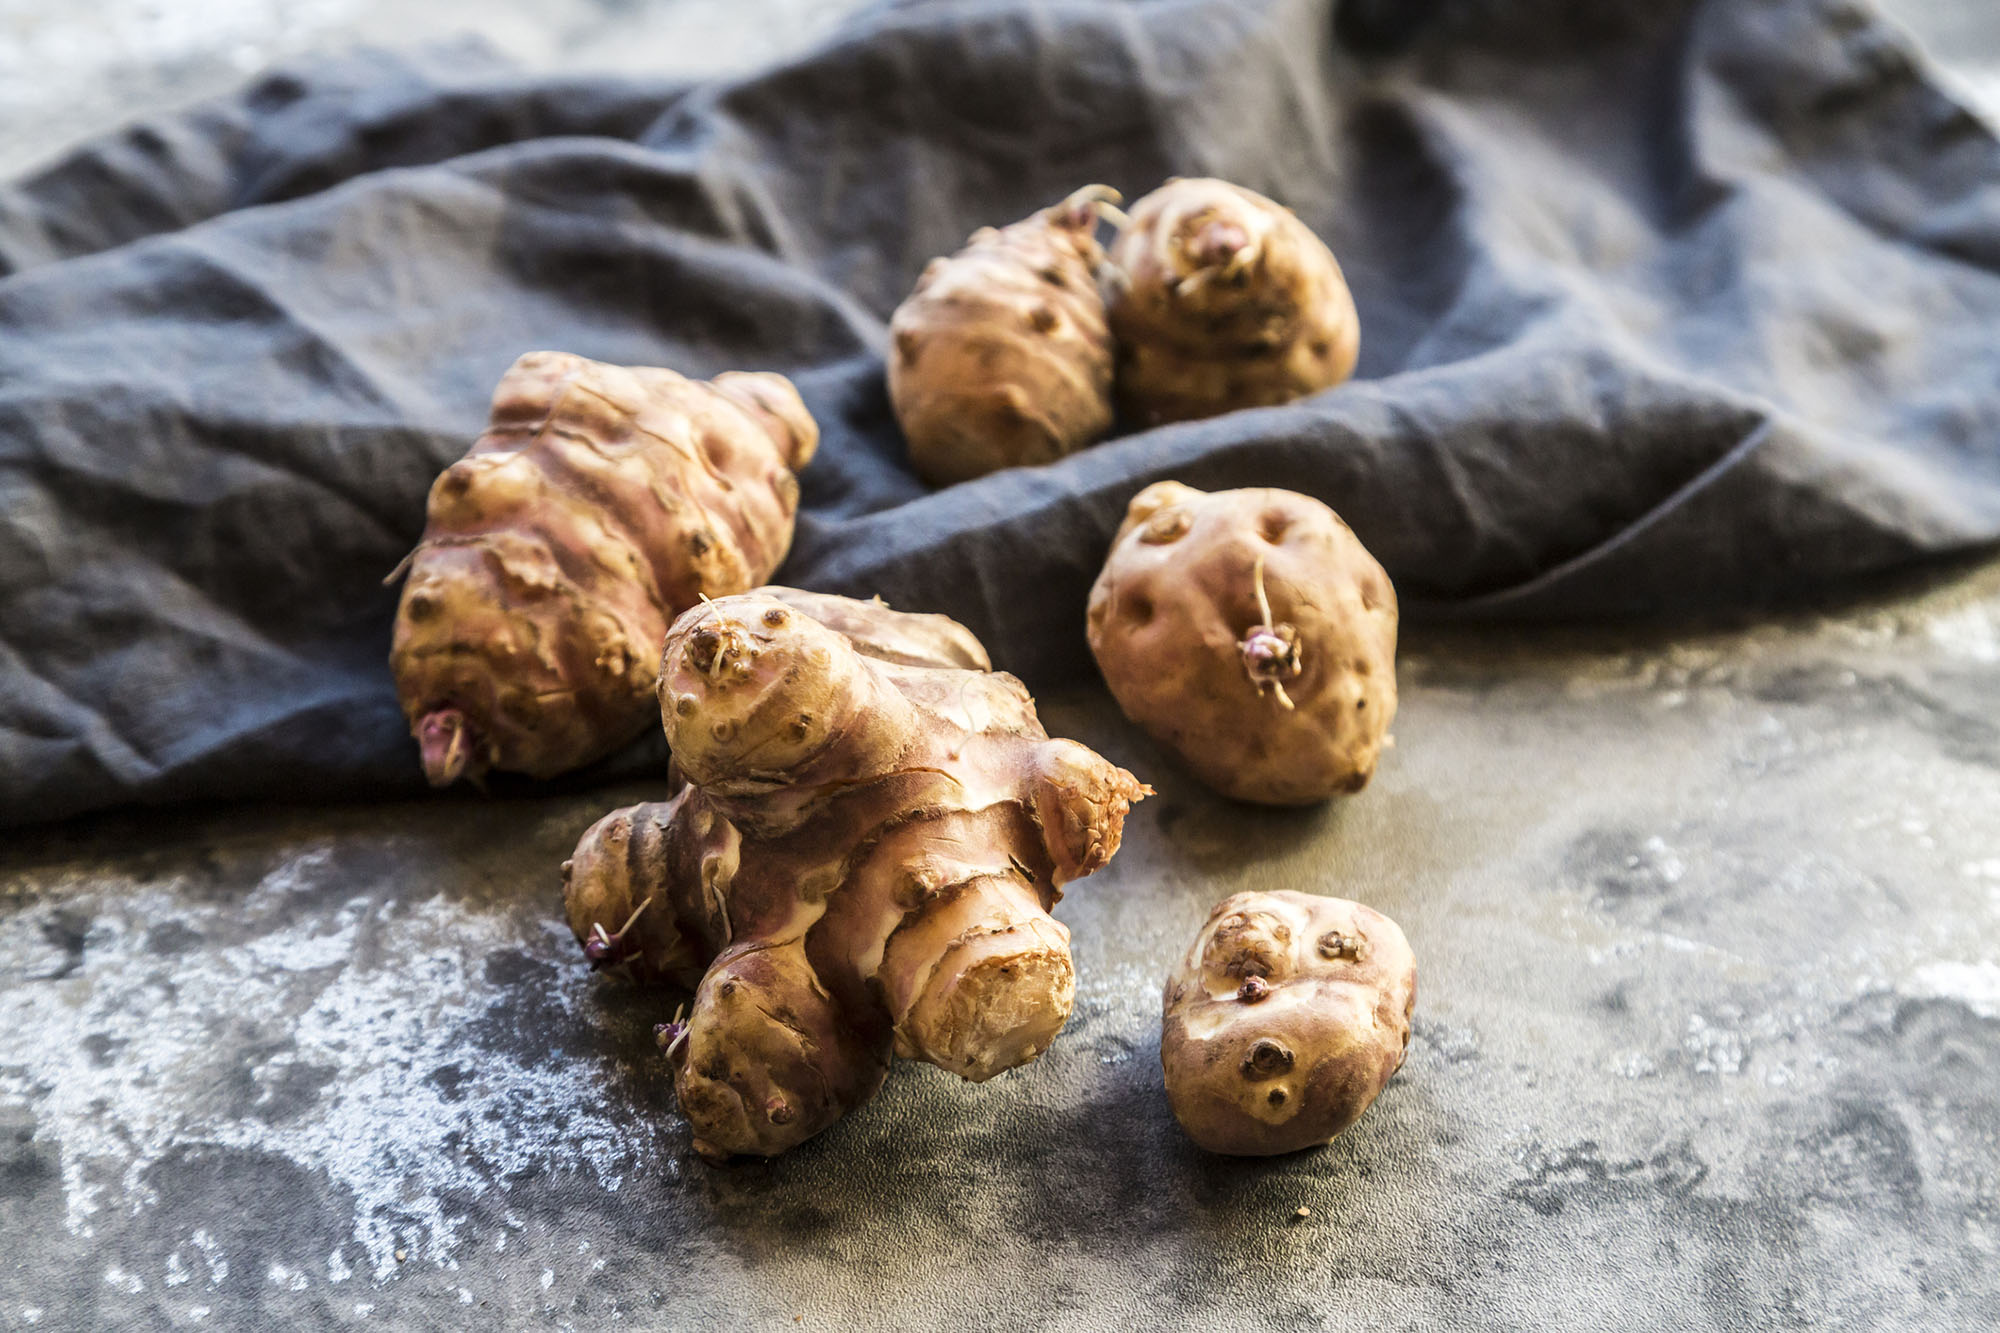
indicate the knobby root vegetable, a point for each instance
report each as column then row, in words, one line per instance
column 1220, row 299
column 862, row 862
column 1251, row 633
column 1285, row 1020
column 601, row 502
column 1000, row 356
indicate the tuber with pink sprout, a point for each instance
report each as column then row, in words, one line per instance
column 1252, row 634
column 1000, row 356
column 601, row 502
column 1220, row 298
column 861, row 863
column 1286, row 1019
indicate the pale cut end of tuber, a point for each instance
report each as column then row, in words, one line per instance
column 982, row 981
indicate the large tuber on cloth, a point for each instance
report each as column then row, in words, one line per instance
column 601, row 502
column 1000, row 357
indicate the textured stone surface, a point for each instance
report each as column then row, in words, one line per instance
column 1708, row 1027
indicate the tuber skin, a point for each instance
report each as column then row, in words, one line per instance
column 1000, row 357
column 1287, row 1017
column 1253, row 635
column 1220, row 298
column 601, row 502
column 862, row 862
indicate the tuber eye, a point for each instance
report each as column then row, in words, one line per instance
column 775, row 617
column 1334, row 945
column 1169, row 526
column 1266, row 1059
column 703, row 647
column 1253, row 990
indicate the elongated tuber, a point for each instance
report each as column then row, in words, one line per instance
column 862, row 862
column 1220, row 299
column 1288, row 1016
column 1251, row 633
column 601, row 502
column 1000, row 357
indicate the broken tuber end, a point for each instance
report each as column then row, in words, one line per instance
column 450, row 746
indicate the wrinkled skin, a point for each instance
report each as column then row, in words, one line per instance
column 1285, row 1021
column 1287, row 707
column 1220, row 298
column 862, row 863
column 1000, row 356
column 601, row 502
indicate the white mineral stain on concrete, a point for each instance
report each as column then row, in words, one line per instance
column 374, row 1023
column 1974, row 985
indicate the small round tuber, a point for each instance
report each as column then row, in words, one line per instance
column 1284, row 1021
column 1219, row 299
column 1000, row 356
column 601, row 502
column 1250, row 632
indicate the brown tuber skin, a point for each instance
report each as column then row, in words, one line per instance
column 862, row 862
column 1220, row 299
column 1252, row 634
column 1284, row 1021
column 1000, row 356
column 601, row 502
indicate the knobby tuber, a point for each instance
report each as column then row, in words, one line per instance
column 1285, row 1020
column 1250, row 632
column 1000, row 356
column 862, row 861
column 601, row 502
column 1219, row 299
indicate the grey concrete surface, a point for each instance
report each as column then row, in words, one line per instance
column 1708, row 1028
column 1708, row 1036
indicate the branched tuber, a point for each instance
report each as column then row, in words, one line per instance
column 1000, row 357
column 1251, row 633
column 1285, row 1020
column 601, row 502
column 862, row 862
column 1220, row 299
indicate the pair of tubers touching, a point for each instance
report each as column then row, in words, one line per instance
column 870, row 826
column 1026, row 345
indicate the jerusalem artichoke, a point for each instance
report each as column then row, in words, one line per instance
column 1219, row 299
column 1000, row 356
column 862, row 862
column 601, row 502
column 1251, row 633
column 1287, row 1017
